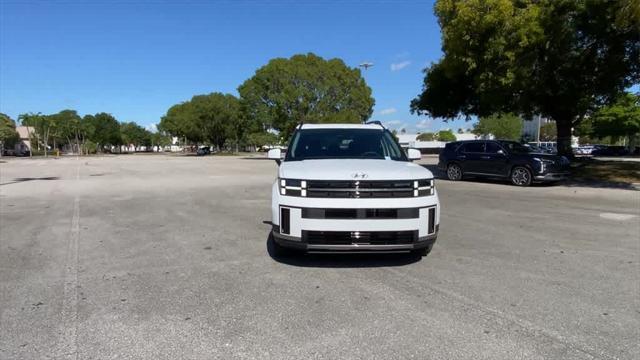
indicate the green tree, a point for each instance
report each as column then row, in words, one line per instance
column 8, row 134
column 103, row 129
column 134, row 134
column 64, row 128
column 561, row 59
column 621, row 119
column 212, row 118
column 260, row 139
column 446, row 135
column 428, row 136
column 305, row 88
column 181, row 121
column 501, row 126
column 161, row 139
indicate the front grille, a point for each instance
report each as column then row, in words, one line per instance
column 407, row 213
column 367, row 189
column 359, row 237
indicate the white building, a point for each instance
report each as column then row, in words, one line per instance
column 411, row 141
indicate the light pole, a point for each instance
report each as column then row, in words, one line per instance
column 366, row 65
column 538, row 132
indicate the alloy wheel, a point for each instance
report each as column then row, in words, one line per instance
column 521, row 176
column 454, row 172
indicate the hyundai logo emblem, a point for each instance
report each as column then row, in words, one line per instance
column 359, row 175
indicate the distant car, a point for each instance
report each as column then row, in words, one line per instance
column 205, row 150
column 537, row 149
column 610, row 151
column 550, row 147
column 501, row 159
column 584, row 150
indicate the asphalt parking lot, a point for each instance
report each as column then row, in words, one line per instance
column 165, row 257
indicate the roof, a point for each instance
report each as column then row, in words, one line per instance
column 24, row 131
column 342, row 126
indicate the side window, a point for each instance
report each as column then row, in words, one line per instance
column 492, row 148
column 473, row 147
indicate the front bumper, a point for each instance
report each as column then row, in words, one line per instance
column 553, row 176
column 300, row 244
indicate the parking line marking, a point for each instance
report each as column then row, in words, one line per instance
column 617, row 216
column 68, row 344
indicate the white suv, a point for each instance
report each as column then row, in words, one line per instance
column 347, row 187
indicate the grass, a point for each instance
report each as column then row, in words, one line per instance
column 609, row 171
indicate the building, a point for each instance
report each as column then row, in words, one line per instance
column 429, row 147
column 531, row 128
column 24, row 144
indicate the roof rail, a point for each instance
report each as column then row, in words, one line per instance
column 375, row 122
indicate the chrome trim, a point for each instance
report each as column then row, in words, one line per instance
column 360, row 247
column 479, row 173
column 360, row 189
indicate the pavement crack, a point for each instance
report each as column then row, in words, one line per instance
column 519, row 322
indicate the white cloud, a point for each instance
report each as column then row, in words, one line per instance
column 424, row 124
column 391, row 123
column 152, row 127
column 388, row 111
column 400, row 65
column 395, row 124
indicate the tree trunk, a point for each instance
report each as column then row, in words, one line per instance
column 46, row 143
column 564, row 137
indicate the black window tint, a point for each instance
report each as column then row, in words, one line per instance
column 492, row 148
column 451, row 146
column 474, row 147
column 344, row 143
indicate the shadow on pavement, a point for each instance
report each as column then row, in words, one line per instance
column 19, row 180
column 255, row 158
column 342, row 260
column 435, row 171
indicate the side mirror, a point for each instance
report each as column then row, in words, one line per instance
column 275, row 154
column 501, row 152
column 414, row 154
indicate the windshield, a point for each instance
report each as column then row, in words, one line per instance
column 344, row 144
column 515, row 147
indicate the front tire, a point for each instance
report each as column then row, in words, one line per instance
column 521, row 176
column 454, row 172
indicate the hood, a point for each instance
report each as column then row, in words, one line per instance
column 344, row 169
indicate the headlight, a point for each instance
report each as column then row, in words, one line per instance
column 424, row 187
column 544, row 161
column 293, row 187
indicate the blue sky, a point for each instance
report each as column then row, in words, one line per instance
column 135, row 59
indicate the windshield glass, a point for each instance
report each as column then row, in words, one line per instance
column 344, row 144
column 515, row 147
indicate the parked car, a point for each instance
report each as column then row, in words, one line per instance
column 204, row 150
column 550, row 147
column 351, row 188
column 501, row 159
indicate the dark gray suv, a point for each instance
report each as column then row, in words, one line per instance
column 501, row 159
